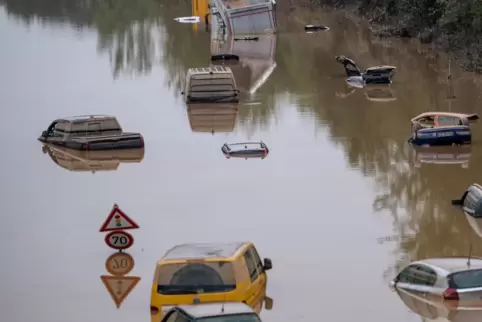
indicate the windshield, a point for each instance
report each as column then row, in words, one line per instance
column 466, row 279
column 246, row 317
column 196, row 278
column 245, row 146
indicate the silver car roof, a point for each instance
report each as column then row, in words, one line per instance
column 216, row 309
column 452, row 264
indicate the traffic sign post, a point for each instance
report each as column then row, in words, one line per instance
column 119, row 264
column 119, row 240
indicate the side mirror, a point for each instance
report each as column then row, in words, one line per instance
column 392, row 285
column 267, row 265
column 44, row 133
column 268, row 303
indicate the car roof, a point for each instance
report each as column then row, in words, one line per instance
column 203, row 251
column 453, row 264
column 216, row 309
column 460, row 115
column 381, row 67
column 241, row 143
column 83, row 118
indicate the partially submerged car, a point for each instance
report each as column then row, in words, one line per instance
column 471, row 201
column 382, row 74
column 214, row 84
column 212, row 312
column 75, row 160
column 200, row 273
column 435, row 309
column 449, row 279
column 442, row 128
column 91, row 132
column 459, row 155
column 245, row 150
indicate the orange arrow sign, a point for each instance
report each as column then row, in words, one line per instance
column 119, row 286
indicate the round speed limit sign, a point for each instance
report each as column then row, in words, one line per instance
column 119, row 240
column 119, row 264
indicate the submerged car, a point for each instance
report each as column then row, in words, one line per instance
column 206, row 273
column 91, row 132
column 433, row 308
column 459, row 155
column 212, row 312
column 245, row 150
column 75, row 160
column 382, row 74
column 444, row 279
column 471, row 201
column 214, row 84
column 442, row 128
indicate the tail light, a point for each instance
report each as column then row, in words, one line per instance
column 451, row 294
column 154, row 310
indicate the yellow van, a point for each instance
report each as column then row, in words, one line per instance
column 198, row 273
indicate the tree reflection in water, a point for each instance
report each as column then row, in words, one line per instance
column 373, row 138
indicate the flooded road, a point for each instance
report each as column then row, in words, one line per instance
column 339, row 178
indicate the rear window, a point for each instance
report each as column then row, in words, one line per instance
column 247, row 317
column 245, row 146
column 466, row 279
column 194, row 278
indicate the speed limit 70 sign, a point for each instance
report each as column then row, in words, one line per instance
column 119, row 240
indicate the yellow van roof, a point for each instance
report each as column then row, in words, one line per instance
column 202, row 251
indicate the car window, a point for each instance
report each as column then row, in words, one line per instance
column 204, row 277
column 448, row 120
column 93, row 127
column 245, row 317
column 418, row 274
column 466, row 279
column 427, row 276
column 257, row 259
column 251, row 263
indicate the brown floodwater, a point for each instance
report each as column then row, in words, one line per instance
column 339, row 203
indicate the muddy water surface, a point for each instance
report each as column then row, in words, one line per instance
column 339, row 181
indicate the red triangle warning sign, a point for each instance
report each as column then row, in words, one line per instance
column 118, row 220
column 119, row 286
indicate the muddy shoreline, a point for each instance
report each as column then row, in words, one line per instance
column 444, row 29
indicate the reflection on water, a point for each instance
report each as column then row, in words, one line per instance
column 442, row 155
column 213, row 118
column 432, row 309
column 76, row 160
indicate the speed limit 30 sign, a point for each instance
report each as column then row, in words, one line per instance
column 119, row 240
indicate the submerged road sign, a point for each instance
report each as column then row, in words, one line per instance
column 119, row 287
column 119, row 240
column 119, row 264
column 118, row 220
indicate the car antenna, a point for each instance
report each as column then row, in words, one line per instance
column 470, row 253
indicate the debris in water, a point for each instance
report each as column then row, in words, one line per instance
column 193, row 19
column 316, row 27
column 247, row 38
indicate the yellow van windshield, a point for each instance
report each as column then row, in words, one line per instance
column 196, row 278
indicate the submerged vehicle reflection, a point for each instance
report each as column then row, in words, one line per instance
column 373, row 92
column 206, row 273
column 213, row 118
column 442, row 155
column 75, row 160
column 432, row 308
column 255, row 59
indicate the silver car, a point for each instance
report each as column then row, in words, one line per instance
column 454, row 278
column 212, row 312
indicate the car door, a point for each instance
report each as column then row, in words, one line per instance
column 257, row 277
